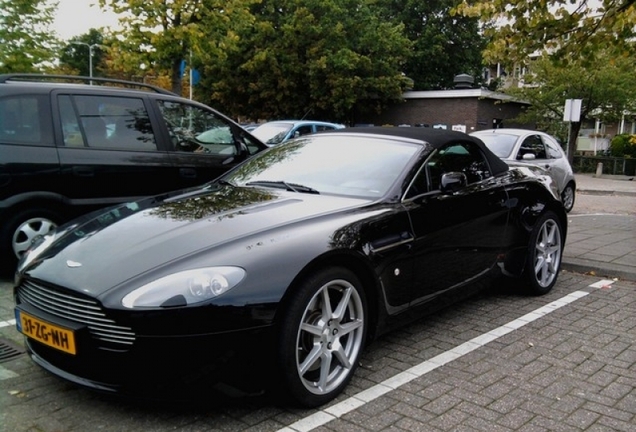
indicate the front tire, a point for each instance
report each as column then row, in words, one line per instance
column 545, row 251
column 322, row 336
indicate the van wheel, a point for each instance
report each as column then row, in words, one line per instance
column 24, row 227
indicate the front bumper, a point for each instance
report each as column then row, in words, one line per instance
column 160, row 367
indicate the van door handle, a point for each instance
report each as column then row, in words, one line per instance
column 82, row 171
column 188, row 172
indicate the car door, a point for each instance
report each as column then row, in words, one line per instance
column 108, row 148
column 28, row 158
column 558, row 162
column 458, row 235
column 203, row 144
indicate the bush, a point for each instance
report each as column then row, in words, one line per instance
column 623, row 145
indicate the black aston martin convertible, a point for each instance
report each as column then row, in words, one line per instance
column 279, row 272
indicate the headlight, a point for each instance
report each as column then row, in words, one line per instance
column 185, row 288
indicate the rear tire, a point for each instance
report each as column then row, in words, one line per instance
column 567, row 196
column 322, row 336
column 545, row 251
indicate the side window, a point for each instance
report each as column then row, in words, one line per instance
column 553, row 148
column 533, row 145
column 106, row 122
column 193, row 129
column 323, row 128
column 70, row 124
column 21, row 120
column 302, row 130
column 464, row 157
column 252, row 146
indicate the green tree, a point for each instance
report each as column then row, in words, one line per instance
column 325, row 59
column 444, row 45
column 607, row 88
column 27, row 43
column 565, row 28
column 76, row 54
column 163, row 33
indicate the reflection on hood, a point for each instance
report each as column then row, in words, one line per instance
column 218, row 203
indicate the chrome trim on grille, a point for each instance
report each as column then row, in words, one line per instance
column 78, row 309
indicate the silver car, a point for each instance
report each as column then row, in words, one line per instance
column 537, row 148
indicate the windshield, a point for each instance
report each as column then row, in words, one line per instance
column 272, row 133
column 359, row 166
column 500, row 144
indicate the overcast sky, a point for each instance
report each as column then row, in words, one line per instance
column 77, row 17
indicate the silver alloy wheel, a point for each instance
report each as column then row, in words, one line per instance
column 28, row 231
column 330, row 336
column 567, row 196
column 547, row 254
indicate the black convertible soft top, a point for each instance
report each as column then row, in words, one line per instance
column 435, row 137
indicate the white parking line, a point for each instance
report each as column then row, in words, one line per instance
column 602, row 283
column 326, row 415
column 7, row 323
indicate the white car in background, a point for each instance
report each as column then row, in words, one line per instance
column 534, row 147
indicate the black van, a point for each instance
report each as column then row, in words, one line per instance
column 69, row 145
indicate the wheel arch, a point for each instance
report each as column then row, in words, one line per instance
column 48, row 200
column 353, row 262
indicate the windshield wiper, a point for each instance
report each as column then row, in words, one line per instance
column 292, row 187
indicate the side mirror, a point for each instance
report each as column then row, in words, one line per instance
column 452, row 182
column 529, row 156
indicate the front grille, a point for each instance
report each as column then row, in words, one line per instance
column 80, row 309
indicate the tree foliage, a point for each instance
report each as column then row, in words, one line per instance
column 163, row 33
column 325, row 59
column 444, row 44
column 623, row 145
column 567, row 29
column 607, row 88
column 76, row 54
column 27, row 44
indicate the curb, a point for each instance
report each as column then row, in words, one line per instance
column 607, row 270
column 605, row 192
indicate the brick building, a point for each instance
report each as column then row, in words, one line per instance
column 466, row 110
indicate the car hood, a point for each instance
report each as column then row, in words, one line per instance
column 103, row 250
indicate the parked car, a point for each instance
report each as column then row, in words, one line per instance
column 276, row 132
column 276, row 275
column 67, row 149
column 529, row 146
column 249, row 126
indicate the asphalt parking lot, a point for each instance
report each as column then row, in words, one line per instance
column 499, row 361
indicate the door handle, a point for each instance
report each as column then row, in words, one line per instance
column 188, row 172
column 391, row 241
column 82, row 171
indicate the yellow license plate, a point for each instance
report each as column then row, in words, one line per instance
column 46, row 333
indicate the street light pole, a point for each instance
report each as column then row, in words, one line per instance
column 90, row 56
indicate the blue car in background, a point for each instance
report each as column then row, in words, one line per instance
column 276, row 132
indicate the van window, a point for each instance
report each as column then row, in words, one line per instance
column 193, row 129
column 21, row 120
column 106, row 122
